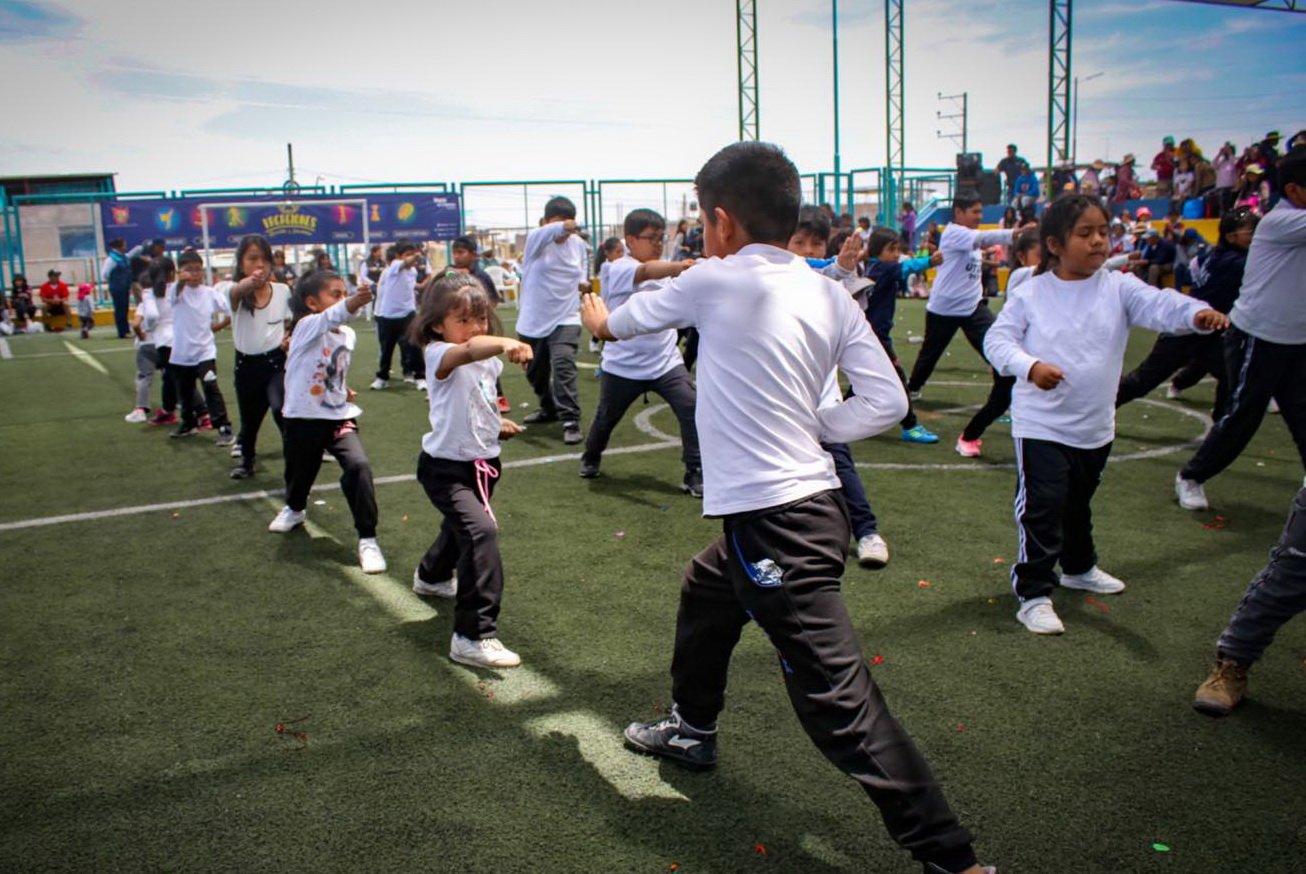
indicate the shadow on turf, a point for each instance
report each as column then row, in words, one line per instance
column 632, row 487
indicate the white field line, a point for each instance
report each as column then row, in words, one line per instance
column 5, row 351
column 86, row 358
column 597, row 741
column 643, row 421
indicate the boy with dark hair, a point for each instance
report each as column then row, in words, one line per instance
column 555, row 264
column 650, row 363
column 194, row 351
column 886, row 267
column 466, row 259
column 1265, row 346
column 396, row 302
column 786, row 532
column 809, row 240
column 957, row 303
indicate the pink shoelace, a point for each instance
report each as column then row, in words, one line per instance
column 485, row 472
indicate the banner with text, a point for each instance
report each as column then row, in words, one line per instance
column 300, row 221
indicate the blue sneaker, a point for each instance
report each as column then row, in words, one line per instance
column 919, row 434
column 1004, row 420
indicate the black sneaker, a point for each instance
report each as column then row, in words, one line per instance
column 693, row 483
column 539, row 417
column 185, row 431
column 672, row 739
column 571, row 433
column 240, row 471
column 588, row 469
column 225, row 437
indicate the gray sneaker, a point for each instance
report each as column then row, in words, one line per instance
column 671, row 738
column 588, row 469
column 1190, row 493
column 571, row 433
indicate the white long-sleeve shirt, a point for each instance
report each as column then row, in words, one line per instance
column 771, row 332
column 396, row 291
column 552, row 272
column 1082, row 327
column 957, row 290
column 1272, row 303
column 317, row 367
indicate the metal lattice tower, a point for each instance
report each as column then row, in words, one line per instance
column 1058, row 82
column 746, row 41
column 894, row 177
column 1273, row 5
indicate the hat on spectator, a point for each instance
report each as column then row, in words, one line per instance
column 1168, row 141
column 1099, row 164
column 1144, row 211
column 1272, row 135
column 1128, row 158
column 1190, row 235
column 1152, row 232
column 1255, row 170
column 53, row 273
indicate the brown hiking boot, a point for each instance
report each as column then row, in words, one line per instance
column 1222, row 691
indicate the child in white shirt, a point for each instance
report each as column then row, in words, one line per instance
column 194, row 351
column 459, row 464
column 772, row 331
column 651, row 363
column 1062, row 335
column 152, row 327
column 554, row 266
column 396, row 301
column 319, row 411
column 260, row 312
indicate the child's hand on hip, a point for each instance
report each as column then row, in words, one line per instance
column 1046, row 376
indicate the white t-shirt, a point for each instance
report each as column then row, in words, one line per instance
column 772, row 331
column 1019, row 277
column 156, row 320
column 317, row 366
column 1270, row 305
column 193, row 309
column 957, row 290
column 464, row 408
column 649, row 355
column 261, row 331
column 396, row 291
column 551, row 276
column 1081, row 327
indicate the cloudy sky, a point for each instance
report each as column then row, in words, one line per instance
column 184, row 94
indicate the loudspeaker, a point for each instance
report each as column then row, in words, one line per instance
column 968, row 167
column 990, row 188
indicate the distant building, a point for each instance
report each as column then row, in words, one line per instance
column 47, row 234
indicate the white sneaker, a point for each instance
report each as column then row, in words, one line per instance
column 1273, row 408
column 421, row 385
column 872, row 551
column 1190, row 493
column 378, row 384
column 409, row 378
column 914, row 395
column 447, row 589
column 485, row 653
column 370, row 558
column 1096, row 580
column 1171, row 393
column 1037, row 615
column 327, row 457
column 236, row 451
column 137, row 416
column 287, row 520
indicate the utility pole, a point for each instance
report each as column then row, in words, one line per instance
column 1074, row 119
column 838, row 177
column 290, row 186
column 962, row 102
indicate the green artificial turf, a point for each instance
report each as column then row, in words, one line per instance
column 146, row 659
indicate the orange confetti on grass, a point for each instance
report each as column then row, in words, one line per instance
column 999, row 560
column 673, row 867
column 1100, row 605
column 176, row 515
column 961, row 727
column 923, row 584
column 759, row 849
column 403, row 518
column 879, row 659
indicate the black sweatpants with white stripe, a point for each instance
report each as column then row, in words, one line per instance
column 1260, row 370
column 1054, row 521
column 780, row 568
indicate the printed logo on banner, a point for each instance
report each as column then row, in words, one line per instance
column 121, row 215
column 344, row 213
column 236, row 217
column 376, row 213
column 167, row 219
column 406, row 214
column 289, row 221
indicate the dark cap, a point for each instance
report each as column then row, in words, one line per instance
column 54, row 273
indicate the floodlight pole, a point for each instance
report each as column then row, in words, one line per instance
column 834, row 29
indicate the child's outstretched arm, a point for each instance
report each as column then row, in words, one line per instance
column 1166, row 310
column 661, row 269
column 243, row 290
column 358, row 299
column 481, row 348
column 878, row 400
column 671, row 306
